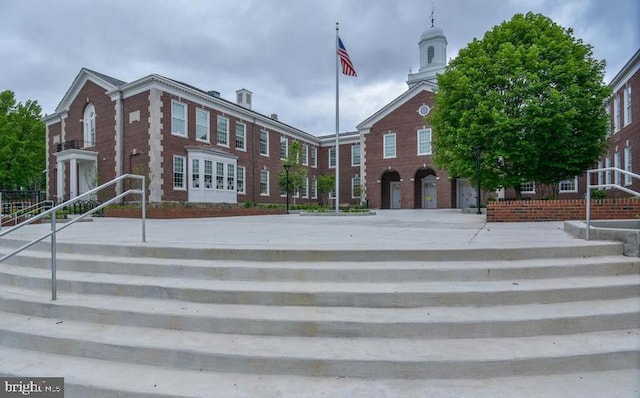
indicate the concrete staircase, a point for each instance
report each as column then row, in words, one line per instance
column 159, row 322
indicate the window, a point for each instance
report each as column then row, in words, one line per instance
column 231, row 177
column 264, row 182
column 219, row 175
column 389, row 143
column 178, row 172
column 208, row 174
column 195, row 173
column 240, row 180
column 627, row 104
column 607, row 174
column 241, row 137
column 616, row 113
column 223, row 131
column 178, row 118
column 304, row 154
column 627, row 164
column 284, row 147
column 314, row 188
column 355, row 155
column 355, row 188
column 570, row 185
column 616, row 164
column 431, row 52
column 600, row 173
column 89, row 126
column 332, row 158
column 528, row 187
column 424, row 142
column 608, row 110
column 305, row 188
column 264, row 143
column 314, row 157
column 202, row 125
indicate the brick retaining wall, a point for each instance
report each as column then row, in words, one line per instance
column 562, row 210
column 181, row 212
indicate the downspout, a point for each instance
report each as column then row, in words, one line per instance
column 253, row 163
column 120, row 139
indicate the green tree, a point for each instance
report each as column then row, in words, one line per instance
column 326, row 185
column 22, row 143
column 529, row 96
column 297, row 172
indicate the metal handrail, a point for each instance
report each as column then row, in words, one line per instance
column 34, row 208
column 616, row 176
column 54, row 229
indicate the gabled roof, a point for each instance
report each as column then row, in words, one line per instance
column 107, row 82
column 396, row 103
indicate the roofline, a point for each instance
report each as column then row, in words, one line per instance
column 631, row 67
column 397, row 102
column 143, row 84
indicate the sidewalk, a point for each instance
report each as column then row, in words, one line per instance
column 388, row 229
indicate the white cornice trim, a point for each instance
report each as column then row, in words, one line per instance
column 248, row 116
column 627, row 71
column 83, row 76
column 396, row 103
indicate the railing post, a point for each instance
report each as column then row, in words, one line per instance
column 144, row 210
column 587, row 231
column 53, row 257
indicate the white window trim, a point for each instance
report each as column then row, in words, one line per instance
column 260, row 183
column 333, row 149
column 305, row 153
column 429, row 132
column 616, row 113
column 226, row 132
column 186, row 118
column 616, row 164
column 314, row 186
column 314, row 151
column 353, row 147
column 89, row 124
column 196, row 163
column 244, row 148
column 204, row 173
column 627, row 105
column 284, row 140
column 353, row 186
column 184, row 173
column 244, row 179
column 260, row 143
column 384, row 146
column 532, row 191
column 575, row 186
column 207, row 139
column 628, row 165
column 306, row 188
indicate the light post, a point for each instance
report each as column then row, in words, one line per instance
column 478, row 151
column 286, row 169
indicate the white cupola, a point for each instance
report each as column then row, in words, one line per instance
column 433, row 55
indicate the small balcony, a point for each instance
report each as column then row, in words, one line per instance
column 73, row 144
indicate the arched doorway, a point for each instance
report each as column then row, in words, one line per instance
column 390, row 187
column 425, row 189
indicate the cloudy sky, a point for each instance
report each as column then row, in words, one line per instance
column 282, row 50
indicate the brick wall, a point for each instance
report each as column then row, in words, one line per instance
column 562, row 210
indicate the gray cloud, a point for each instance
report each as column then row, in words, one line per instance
column 282, row 50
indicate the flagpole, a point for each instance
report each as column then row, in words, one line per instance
column 337, row 126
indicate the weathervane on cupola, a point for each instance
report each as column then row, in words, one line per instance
column 433, row 10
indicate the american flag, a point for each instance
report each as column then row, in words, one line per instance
column 347, row 66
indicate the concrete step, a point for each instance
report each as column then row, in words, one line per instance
column 387, row 271
column 343, row 294
column 88, row 377
column 327, row 357
column 136, row 249
column 435, row 322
